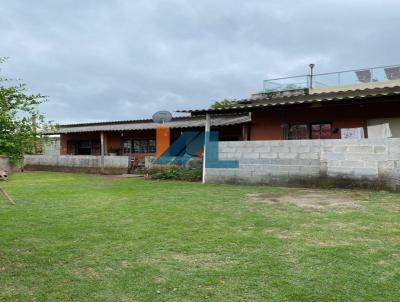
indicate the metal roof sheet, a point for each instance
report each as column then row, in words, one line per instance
column 180, row 122
column 302, row 99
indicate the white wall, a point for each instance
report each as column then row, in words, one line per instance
column 51, row 147
column 5, row 164
column 394, row 124
column 84, row 163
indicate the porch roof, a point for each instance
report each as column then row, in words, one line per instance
column 265, row 100
column 176, row 122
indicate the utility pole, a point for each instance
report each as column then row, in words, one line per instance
column 207, row 130
column 34, row 128
column 102, row 151
column 311, row 75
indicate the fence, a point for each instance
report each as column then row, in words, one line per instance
column 334, row 79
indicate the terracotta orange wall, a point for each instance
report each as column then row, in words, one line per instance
column 162, row 140
column 266, row 125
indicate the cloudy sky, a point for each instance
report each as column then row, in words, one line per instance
column 109, row 60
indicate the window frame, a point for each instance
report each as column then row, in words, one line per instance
column 320, row 124
column 140, row 145
column 309, row 130
column 288, row 136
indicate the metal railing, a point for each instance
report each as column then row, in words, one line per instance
column 334, row 79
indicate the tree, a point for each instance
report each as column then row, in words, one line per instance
column 223, row 104
column 21, row 123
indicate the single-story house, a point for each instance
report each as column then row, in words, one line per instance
column 373, row 110
column 140, row 138
column 289, row 131
column 344, row 135
column 369, row 103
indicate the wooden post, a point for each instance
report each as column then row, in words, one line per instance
column 102, row 150
column 245, row 132
column 206, row 139
column 7, row 196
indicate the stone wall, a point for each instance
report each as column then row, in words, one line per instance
column 76, row 163
column 342, row 163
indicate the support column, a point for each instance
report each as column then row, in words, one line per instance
column 245, row 132
column 206, row 140
column 102, row 150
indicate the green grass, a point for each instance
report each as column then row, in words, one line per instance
column 90, row 238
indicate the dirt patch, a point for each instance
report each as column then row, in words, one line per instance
column 311, row 199
column 204, row 260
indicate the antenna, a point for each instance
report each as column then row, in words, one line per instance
column 161, row 117
column 311, row 74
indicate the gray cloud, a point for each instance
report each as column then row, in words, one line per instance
column 108, row 60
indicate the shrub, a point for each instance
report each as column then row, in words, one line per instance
column 173, row 173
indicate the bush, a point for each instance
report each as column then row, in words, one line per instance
column 173, row 173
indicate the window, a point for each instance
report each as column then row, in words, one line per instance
column 85, row 144
column 299, row 131
column 126, row 146
column 139, row 146
column 84, row 147
column 307, row 131
column 321, row 131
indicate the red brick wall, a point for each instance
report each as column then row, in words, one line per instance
column 267, row 125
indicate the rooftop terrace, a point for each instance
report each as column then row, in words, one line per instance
column 373, row 76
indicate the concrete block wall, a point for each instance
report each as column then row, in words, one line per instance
column 51, row 147
column 5, row 164
column 346, row 163
column 367, row 158
column 76, row 163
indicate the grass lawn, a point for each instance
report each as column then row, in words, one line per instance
column 90, row 238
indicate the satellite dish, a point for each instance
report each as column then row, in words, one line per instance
column 161, row 117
